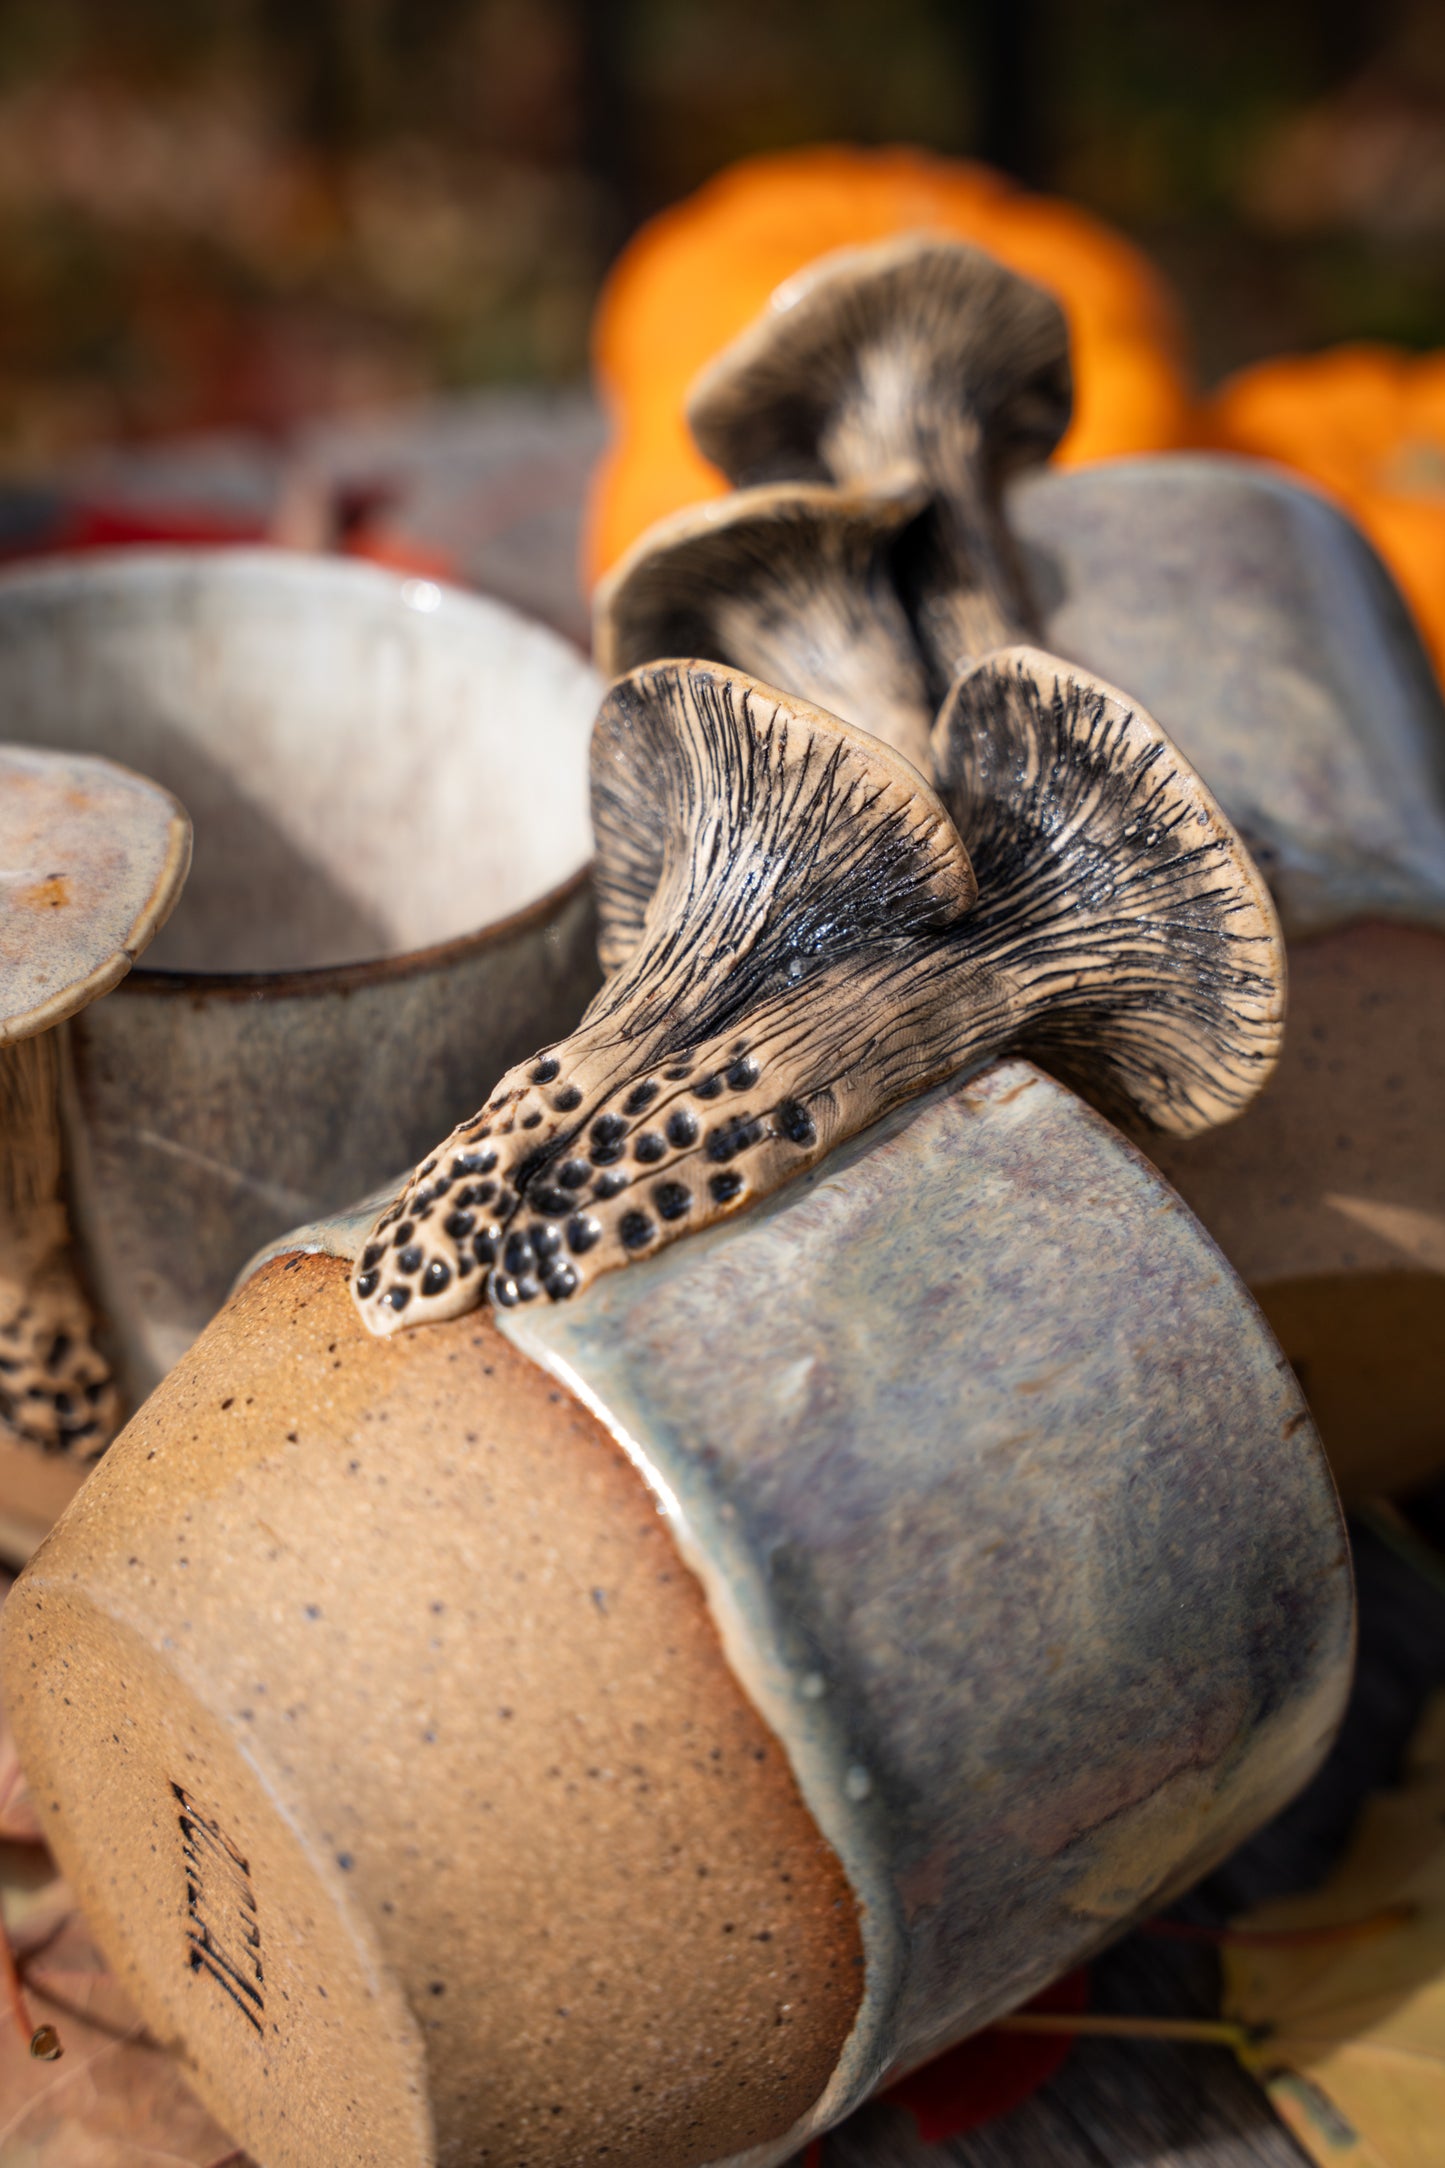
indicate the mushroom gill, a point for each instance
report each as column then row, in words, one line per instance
column 788, row 917
column 792, row 584
column 919, row 357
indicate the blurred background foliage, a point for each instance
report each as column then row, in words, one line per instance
column 244, row 213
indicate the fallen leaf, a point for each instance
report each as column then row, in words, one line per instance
column 991, row 2072
column 1347, row 2029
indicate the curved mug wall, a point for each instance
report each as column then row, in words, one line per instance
column 387, row 901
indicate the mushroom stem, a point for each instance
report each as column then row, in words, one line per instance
column 795, row 586
column 788, row 914
column 919, row 357
column 56, row 1388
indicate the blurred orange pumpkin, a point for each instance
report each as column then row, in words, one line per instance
column 1368, row 424
column 697, row 274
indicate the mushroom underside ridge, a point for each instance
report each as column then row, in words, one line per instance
column 756, row 858
column 859, row 365
column 1140, row 936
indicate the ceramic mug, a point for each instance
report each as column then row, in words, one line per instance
column 643, row 1723
column 388, row 895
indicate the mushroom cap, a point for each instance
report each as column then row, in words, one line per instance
column 1114, row 890
column 791, row 582
column 862, row 361
column 92, row 860
column 679, row 579
column 762, row 867
column 714, row 793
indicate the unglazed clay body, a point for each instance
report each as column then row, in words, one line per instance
column 932, row 1566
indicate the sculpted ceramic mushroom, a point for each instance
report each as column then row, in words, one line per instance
column 646, row 1721
column 917, row 357
column 92, row 859
column 793, row 584
column 799, row 936
column 1255, row 622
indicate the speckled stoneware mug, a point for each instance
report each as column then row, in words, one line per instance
column 645, row 1722
column 388, row 893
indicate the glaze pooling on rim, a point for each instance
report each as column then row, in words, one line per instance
column 788, row 916
column 1013, row 1524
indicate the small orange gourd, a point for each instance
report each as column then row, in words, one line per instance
column 700, row 272
column 1368, row 424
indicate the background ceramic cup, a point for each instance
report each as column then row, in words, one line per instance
column 1258, row 626
column 440, row 1815
column 388, row 896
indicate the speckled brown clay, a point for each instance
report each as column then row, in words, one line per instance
column 387, row 780
column 435, row 1812
column 401, row 1620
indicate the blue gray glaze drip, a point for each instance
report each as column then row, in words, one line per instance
column 1013, row 1523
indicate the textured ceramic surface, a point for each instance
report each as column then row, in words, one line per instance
column 1011, row 1518
column 1011, row 1523
column 1258, row 625
column 1262, row 630
column 387, row 781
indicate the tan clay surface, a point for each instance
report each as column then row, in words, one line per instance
column 500, row 1806
column 1328, row 1196
column 92, row 860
